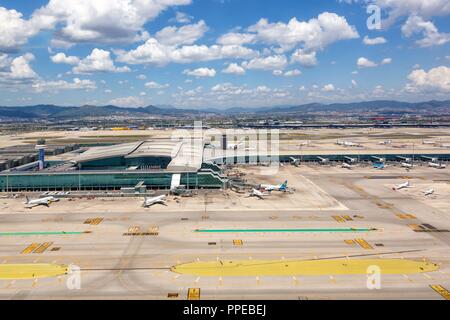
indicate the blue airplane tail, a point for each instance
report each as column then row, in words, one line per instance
column 284, row 185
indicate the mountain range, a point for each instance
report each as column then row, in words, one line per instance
column 52, row 112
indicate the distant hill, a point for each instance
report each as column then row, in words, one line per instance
column 52, row 112
column 366, row 106
column 59, row 113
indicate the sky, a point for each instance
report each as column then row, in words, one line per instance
column 222, row 53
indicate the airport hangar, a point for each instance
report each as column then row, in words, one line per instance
column 165, row 164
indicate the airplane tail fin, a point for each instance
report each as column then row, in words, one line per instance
column 284, row 185
column 28, row 200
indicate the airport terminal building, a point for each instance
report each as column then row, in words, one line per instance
column 158, row 164
column 166, row 164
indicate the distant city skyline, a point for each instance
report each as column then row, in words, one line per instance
column 222, row 53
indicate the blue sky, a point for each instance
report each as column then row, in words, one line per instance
column 221, row 53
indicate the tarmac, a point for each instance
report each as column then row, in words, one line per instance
column 125, row 251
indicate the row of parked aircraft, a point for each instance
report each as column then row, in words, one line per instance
column 407, row 184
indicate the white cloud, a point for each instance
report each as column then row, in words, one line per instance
column 365, row 63
column 431, row 35
column 423, row 8
column 266, row 63
column 76, row 84
column 234, row 68
column 354, row 83
column 200, row 72
column 181, row 17
column 130, row 101
column 98, row 61
column 153, row 52
column 14, row 31
column 155, row 85
column 328, row 88
column 17, row 71
column 317, row 33
column 104, row 21
column 374, row 41
column 386, row 61
column 304, row 58
column 435, row 80
column 141, row 77
column 62, row 58
column 292, row 73
column 277, row 73
column 187, row 34
column 236, row 38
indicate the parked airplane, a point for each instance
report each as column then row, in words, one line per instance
column 379, row 165
column 148, row 202
column 429, row 192
column 407, row 165
column 235, row 146
column 351, row 160
column 323, row 160
column 402, row 186
column 386, row 142
column 295, row 161
column 437, row 165
column 30, row 203
column 258, row 194
column 269, row 187
column 345, row 165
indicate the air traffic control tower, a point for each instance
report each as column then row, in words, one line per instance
column 40, row 146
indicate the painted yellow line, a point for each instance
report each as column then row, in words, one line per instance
column 238, row 242
column 31, row 271
column 349, row 242
column 415, row 227
column 347, row 217
column 401, row 216
column 43, row 247
column 441, row 290
column 302, row 267
column 30, row 248
column 411, row 216
column 338, row 219
column 193, row 294
column 364, row 244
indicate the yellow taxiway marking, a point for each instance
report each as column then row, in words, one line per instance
column 338, row 219
column 238, row 242
column 364, row 244
column 349, row 242
column 30, row 248
column 31, row 271
column 43, row 247
column 441, row 290
column 302, row 267
column 193, row 294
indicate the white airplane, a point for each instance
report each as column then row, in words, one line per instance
column 437, row 165
column 346, row 165
column 30, row 203
column 270, row 187
column 386, row 142
column 294, row 161
column 402, row 186
column 148, row 202
column 323, row 160
column 258, row 194
column 407, row 165
column 428, row 192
